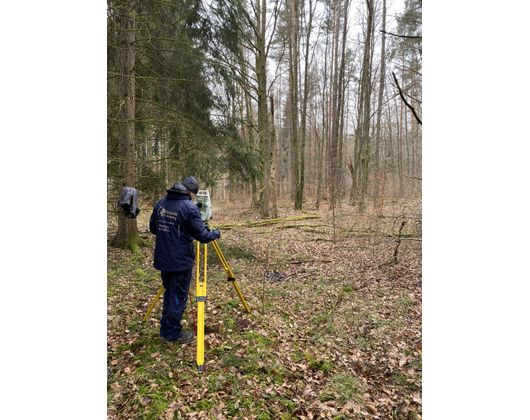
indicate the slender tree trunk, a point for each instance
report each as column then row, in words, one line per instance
column 320, row 156
column 339, row 117
column 363, row 132
column 289, row 113
column 324, row 136
column 400, row 144
column 250, row 130
column 280, row 174
column 294, row 103
column 380, row 107
column 344, row 151
column 304, row 105
column 126, row 227
column 412, row 140
column 330, row 107
column 273, row 163
column 264, row 112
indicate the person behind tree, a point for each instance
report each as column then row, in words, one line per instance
column 176, row 221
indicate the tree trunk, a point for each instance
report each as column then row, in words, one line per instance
column 400, row 144
column 322, row 170
column 320, row 159
column 294, row 103
column 304, row 106
column 380, row 107
column 273, row 163
column 126, row 227
column 363, row 132
column 412, row 133
column 330, row 110
column 264, row 112
column 339, row 117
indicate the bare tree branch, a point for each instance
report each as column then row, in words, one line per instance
column 405, row 100
column 413, row 177
column 401, row 36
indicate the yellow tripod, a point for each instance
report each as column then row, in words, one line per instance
column 201, row 297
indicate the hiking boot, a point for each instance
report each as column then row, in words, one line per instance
column 184, row 338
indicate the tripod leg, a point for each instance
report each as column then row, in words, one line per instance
column 201, row 300
column 241, row 298
column 222, row 258
column 231, row 277
column 153, row 304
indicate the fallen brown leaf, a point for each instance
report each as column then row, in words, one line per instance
column 371, row 407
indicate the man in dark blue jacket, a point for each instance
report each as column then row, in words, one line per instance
column 176, row 221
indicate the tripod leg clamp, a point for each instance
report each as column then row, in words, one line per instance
column 231, row 279
column 202, row 298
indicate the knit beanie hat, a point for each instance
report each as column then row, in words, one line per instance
column 191, row 184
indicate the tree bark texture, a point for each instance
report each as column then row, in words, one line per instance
column 294, row 23
column 273, row 163
column 126, row 226
column 380, row 106
column 362, row 138
column 304, row 106
column 263, row 111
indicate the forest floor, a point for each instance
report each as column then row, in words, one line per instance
column 335, row 328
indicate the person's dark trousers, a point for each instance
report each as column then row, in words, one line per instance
column 176, row 286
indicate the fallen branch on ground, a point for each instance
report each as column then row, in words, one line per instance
column 414, row 238
column 267, row 222
column 413, row 177
column 308, row 261
column 394, row 259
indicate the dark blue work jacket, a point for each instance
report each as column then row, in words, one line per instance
column 176, row 221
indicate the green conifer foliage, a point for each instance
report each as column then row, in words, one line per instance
column 185, row 95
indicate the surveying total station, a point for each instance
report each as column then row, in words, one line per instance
column 202, row 200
